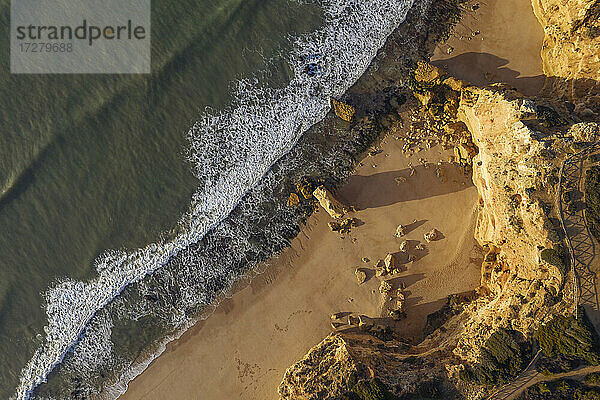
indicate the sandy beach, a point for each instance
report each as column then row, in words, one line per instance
column 243, row 349
column 500, row 41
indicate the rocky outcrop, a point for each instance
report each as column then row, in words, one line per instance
column 333, row 207
column 514, row 170
column 324, row 373
column 350, row 364
column 515, row 174
column 571, row 51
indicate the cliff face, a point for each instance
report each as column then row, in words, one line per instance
column 515, row 172
column 344, row 366
column 326, row 371
column 511, row 171
column 571, row 51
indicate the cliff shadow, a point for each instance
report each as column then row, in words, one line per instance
column 382, row 188
column 483, row 69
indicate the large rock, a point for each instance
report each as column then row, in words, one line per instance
column 333, row 207
column 432, row 235
column 426, row 73
column 361, row 275
column 390, row 262
column 385, row 287
column 400, row 231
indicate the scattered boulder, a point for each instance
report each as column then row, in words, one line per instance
column 427, row 73
column 432, row 235
column 293, row 200
column 361, row 276
column 390, row 262
column 338, row 315
column 400, row 305
column 305, row 188
column 345, row 225
column 400, row 231
column 385, row 287
column 334, row 226
column 365, row 260
column 404, row 246
column 333, row 207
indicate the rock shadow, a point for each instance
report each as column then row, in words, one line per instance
column 414, row 225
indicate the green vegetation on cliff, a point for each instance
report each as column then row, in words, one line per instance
column 593, row 379
column 557, row 257
column 560, row 389
column 592, row 199
column 369, row 390
column 569, row 338
column 504, row 355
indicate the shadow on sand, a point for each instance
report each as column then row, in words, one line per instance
column 483, row 69
column 381, row 189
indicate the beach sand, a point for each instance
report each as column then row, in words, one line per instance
column 244, row 348
column 501, row 41
column 242, row 351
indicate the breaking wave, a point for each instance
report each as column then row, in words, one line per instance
column 231, row 152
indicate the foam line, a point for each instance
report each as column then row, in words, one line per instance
column 231, row 151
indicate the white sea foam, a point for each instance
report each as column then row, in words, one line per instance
column 231, row 151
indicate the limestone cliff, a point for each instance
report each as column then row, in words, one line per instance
column 515, row 172
column 520, row 144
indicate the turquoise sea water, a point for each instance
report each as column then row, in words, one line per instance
column 93, row 164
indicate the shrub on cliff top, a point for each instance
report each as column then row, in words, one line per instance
column 570, row 337
column 369, row 390
column 560, row 389
column 548, row 117
column 504, row 355
column 555, row 257
column 593, row 378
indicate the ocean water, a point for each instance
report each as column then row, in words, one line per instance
column 128, row 203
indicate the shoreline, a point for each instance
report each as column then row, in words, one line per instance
column 282, row 309
column 204, row 345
